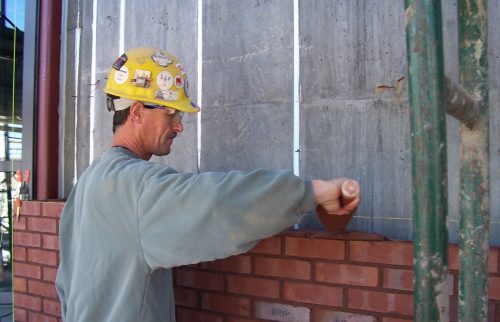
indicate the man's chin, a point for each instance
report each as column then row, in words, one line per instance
column 163, row 152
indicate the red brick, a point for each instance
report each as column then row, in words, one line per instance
column 315, row 248
column 313, row 294
column 284, row 268
column 52, row 307
column 49, row 274
column 200, row 279
column 31, row 208
column 20, row 284
column 188, row 315
column 20, row 315
column 19, row 254
column 193, row 266
column 493, row 312
column 27, row 270
column 322, row 315
column 498, row 260
column 233, row 264
column 44, row 225
column 231, row 319
column 38, row 317
column 186, row 297
column 385, row 252
column 271, row 246
column 253, row 286
column 281, row 312
column 453, row 309
column 45, row 257
column 42, row 289
column 347, row 274
column 27, row 302
column 52, row 209
column 27, row 239
column 493, row 260
column 50, row 242
column 20, row 223
column 381, row 302
column 494, row 288
column 226, row 304
column 453, row 259
column 399, row 279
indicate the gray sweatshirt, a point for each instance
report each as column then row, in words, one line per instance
column 128, row 221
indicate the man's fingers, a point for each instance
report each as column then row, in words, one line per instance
column 339, row 196
column 351, row 206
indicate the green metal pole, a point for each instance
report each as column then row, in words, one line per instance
column 428, row 138
column 474, row 167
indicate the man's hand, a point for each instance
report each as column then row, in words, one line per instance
column 330, row 195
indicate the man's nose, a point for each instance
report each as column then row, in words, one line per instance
column 178, row 126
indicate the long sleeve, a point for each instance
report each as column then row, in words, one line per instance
column 189, row 218
column 128, row 221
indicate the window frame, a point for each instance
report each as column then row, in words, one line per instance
column 30, row 57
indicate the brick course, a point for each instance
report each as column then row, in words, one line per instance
column 261, row 287
column 36, row 245
column 295, row 276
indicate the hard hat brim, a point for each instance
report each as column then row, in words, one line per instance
column 184, row 105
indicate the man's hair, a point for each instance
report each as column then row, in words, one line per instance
column 120, row 117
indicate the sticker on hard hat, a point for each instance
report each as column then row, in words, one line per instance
column 164, row 80
column 180, row 68
column 167, row 95
column 179, row 81
column 161, row 59
column 186, row 87
column 142, row 78
column 120, row 61
column 196, row 106
column 121, row 75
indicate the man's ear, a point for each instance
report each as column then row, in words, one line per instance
column 136, row 112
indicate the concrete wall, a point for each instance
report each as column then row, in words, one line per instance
column 349, row 125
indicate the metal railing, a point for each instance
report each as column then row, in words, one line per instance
column 432, row 94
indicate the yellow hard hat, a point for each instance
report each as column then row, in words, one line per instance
column 148, row 75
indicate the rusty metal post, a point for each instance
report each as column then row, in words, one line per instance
column 429, row 163
column 474, row 167
column 47, row 135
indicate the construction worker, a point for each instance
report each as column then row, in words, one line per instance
column 128, row 221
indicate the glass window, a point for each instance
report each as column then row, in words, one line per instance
column 14, row 10
column 11, row 71
column 12, row 35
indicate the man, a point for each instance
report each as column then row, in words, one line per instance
column 128, row 221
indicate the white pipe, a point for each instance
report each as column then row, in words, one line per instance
column 78, row 35
column 93, row 80
column 199, row 80
column 296, row 89
column 296, row 93
column 122, row 27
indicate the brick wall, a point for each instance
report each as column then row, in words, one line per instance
column 296, row 276
column 36, row 256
